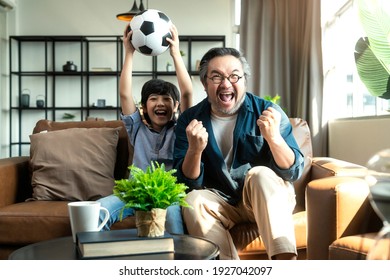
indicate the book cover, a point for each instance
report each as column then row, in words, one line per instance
column 120, row 243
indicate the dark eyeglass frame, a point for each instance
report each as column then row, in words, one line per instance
column 218, row 79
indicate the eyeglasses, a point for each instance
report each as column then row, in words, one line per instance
column 218, row 79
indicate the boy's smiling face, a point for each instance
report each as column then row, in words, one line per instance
column 160, row 110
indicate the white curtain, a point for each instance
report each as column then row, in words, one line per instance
column 281, row 40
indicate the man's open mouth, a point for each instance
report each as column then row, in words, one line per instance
column 226, row 97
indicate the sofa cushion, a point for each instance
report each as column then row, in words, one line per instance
column 353, row 247
column 73, row 164
column 124, row 153
column 248, row 241
column 34, row 221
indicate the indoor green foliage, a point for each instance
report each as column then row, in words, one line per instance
column 372, row 53
column 275, row 99
column 153, row 188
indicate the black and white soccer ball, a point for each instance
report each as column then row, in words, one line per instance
column 150, row 28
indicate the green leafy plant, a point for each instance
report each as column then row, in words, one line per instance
column 372, row 53
column 153, row 188
column 275, row 99
column 68, row 116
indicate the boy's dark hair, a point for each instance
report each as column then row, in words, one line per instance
column 160, row 87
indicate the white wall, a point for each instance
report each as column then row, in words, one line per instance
column 98, row 17
column 357, row 140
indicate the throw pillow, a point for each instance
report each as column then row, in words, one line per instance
column 73, row 164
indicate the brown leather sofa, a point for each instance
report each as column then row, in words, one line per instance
column 25, row 222
column 339, row 206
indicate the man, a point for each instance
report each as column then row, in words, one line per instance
column 238, row 155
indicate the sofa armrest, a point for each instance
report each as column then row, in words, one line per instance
column 336, row 207
column 15, row 183
column 322, row 167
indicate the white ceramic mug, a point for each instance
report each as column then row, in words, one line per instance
column 84, row 216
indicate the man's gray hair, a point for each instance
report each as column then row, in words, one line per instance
column 216, row 52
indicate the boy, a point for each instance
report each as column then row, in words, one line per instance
column 152, row 138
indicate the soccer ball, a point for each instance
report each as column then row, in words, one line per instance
column 150, row 30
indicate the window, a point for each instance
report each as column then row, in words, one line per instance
column 345, row 95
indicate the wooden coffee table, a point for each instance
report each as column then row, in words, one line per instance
column 186, row 248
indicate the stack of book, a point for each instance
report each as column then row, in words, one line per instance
column 121, row 243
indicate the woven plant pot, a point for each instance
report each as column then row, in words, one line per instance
column 150, row 223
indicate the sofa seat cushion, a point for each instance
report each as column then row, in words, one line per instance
column 33, row 221
column 248, row 241
column 353, row 247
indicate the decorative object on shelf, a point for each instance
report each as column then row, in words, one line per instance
column 150, row 191
column 40, row 101
column 69, row 67
column 150, row 30
column 68, row 116
column 101, row 103
column 25, row 98
column 197, row 65
column 169, row 67
column 128, row 16
column 378, row 178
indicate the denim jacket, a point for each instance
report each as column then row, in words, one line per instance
column 249, row 149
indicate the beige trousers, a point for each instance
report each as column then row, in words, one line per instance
column 267, row 200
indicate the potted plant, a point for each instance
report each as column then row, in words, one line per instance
column 372, row 53
column 275, row 99
column 149, row 193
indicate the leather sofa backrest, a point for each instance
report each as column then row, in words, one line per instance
column 302, row 135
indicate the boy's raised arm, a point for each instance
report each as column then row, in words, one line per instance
column 125, row 82
column 183, row 78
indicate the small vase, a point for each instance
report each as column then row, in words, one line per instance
column 150, row 223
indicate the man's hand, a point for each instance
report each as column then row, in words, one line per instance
column 197, row 136
column 197, row 141
column 269, row 123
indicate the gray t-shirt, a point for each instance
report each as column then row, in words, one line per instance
column 150, row 145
